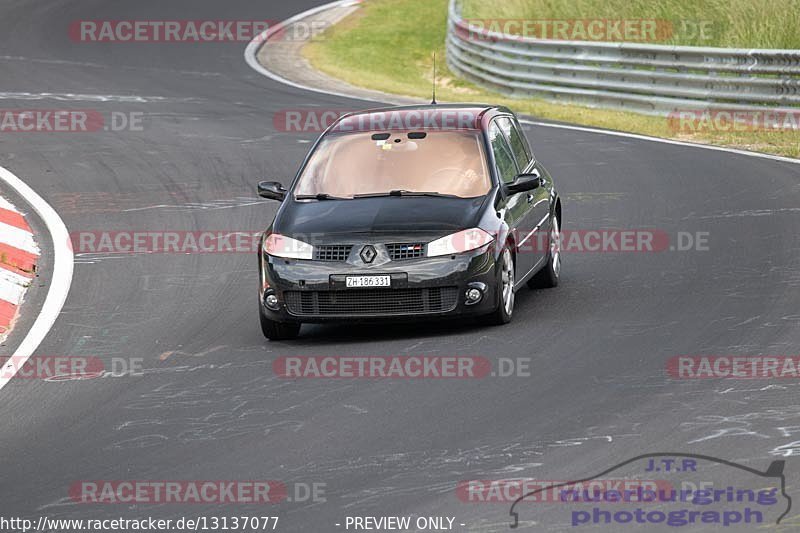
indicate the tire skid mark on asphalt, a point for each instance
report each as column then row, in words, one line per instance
column 166, row 355
column 242, row 201
column 65, row 62
column 92, row 202
column 780, row 423
column 232, row 412
column 747, row 213
column 115, row 98
column 488, row 461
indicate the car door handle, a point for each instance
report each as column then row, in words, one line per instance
column 530, row 198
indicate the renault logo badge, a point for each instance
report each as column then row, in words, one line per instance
column 368, row 254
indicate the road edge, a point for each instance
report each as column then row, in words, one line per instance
column 254, row 46
column 19, row 256
column 63, row 265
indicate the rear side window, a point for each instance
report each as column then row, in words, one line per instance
column 518, row 144
column 506, row 166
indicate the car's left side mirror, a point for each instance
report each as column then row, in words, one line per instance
column 524, row 182
column 272, row 190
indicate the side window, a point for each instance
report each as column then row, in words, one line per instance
column 519, row 146
column 526, row 145
column 506, row 167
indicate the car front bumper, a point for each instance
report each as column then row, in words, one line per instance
column 315, row 291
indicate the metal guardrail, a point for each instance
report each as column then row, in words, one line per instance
column 647, row 78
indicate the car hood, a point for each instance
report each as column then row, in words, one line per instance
column 417, row 215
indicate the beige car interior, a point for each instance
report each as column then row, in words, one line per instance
column 448, row 162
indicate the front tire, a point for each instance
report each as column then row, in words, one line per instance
column 278, row 331
column 505, row 291
column 550, row 274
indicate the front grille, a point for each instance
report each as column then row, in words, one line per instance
column 369, row 302
column 332, row 252
column 398, row 252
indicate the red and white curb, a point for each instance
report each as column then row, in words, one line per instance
column 18, row 257
column 60, row 278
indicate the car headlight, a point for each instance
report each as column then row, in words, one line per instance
column 279, row 245
column 463, row 241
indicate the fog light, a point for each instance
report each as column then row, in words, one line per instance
column 474, row 296
column 271, row 301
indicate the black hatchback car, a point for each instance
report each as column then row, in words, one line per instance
column 409, row 212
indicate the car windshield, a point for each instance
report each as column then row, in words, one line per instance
column 349, row 165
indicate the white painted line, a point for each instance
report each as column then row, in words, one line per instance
column 12, row 286
column 60, row 280
column 660, row 140
column 251, row 52
column 18, row 238
column 8, row 206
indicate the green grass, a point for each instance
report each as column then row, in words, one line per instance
column 387, row 45
column 728, row 23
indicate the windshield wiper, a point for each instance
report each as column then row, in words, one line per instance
column 403, row 192
column 321, row 196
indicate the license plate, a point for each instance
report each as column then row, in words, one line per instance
column 357, row 282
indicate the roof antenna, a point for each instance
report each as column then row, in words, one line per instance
column 433, row 102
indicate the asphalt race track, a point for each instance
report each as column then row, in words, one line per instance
column 208, row 406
